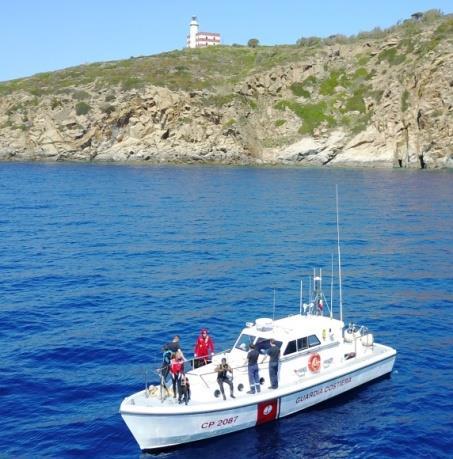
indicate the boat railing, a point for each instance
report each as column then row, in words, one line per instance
column 244, row 367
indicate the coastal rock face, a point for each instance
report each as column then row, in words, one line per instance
column 379, row 102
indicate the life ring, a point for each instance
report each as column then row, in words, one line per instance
column 314, row 363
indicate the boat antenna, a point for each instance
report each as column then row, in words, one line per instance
column 273, row 309
column 339, row 256
column 331, row 288
column 300, row 304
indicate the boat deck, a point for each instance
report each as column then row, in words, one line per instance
column 202, row 397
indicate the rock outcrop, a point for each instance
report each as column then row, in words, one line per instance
column 384, row 102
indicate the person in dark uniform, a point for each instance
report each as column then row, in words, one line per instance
column 222, row 377
column 274, row 357
column 254, row 375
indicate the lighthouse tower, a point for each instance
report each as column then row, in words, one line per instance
column 197, row 39
column 193, row 31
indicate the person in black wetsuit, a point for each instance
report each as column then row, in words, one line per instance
column 175, row 345
column 165, row 368
column 222, row 377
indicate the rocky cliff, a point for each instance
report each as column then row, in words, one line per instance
column 381, row 99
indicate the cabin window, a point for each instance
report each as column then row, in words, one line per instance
column 244, row 341
column 291, row 348
column 263, row 344
column 313, row 341
column 302, row 343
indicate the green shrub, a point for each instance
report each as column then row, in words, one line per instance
column 391, row 56
column 407, row 44
column 336, row 78
column 82, row 108
column 54, row 103
column 356, row 123
column 361, row 73
column 221, row 100
column 38, row 92
column 363, row 59
column 107, row 109
column 356, row 101
column 312, row 115
column 310, row 81
column 131, row 83
column 309, row 41
column 404, row 100
column 298, row 90
column 336, row 39
column 229, row 123
column 432, row 15
column 445, row 29
column 80, row 95
column 377, row 32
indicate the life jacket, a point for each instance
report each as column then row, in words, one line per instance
column 176, row 366
column 204, row 347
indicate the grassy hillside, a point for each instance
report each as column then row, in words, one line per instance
column 223, row 66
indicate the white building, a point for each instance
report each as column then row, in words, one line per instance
column 197, row 39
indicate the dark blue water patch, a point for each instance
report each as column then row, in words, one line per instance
column 76, row 354
column 101, row 265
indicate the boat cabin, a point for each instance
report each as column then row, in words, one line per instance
column 294, row 335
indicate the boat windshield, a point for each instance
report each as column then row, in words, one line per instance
column 263, row 344
column 244, row 341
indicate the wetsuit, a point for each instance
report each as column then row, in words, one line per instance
column 222, row 377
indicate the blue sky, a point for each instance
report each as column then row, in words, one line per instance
column 44, row 35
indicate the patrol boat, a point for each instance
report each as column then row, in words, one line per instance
column 320, row 358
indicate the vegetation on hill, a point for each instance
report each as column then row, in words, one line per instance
column 209, row 68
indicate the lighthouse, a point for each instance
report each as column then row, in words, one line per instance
column 197, row 39
column 193, row 31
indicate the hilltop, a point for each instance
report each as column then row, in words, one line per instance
column 382, row 98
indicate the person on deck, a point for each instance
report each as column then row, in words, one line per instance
column 222, row 377
column 175, row 345
column 167, row 355
column 204, row 348
column 253, row 371
column 274, row 357
column 184, row 389
column 177, row 372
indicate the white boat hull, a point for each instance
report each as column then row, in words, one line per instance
column 157, row 430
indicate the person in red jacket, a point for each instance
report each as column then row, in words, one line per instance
column 204, row 348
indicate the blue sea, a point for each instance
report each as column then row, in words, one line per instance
column 102, row 264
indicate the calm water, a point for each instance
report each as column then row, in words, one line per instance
column 102, row 264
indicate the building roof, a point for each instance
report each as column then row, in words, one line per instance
column 209, row 33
